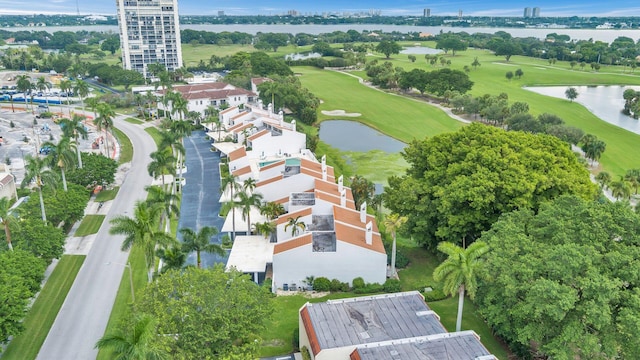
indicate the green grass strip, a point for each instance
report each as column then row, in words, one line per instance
column 106, row 195
column 126, row 148
column 89, row 225
column 40, row 318
column 155, row 134
column 134, row 121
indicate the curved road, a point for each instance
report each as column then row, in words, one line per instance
column 83, row 317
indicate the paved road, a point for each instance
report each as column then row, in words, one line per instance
column 85, row 312
column 200, row 206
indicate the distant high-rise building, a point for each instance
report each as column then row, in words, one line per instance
column 220, row 13
column 149, row 34
column 460, row 14
column 527, row 12
column 536, row 12
column 426, row 13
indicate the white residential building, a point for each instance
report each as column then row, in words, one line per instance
column 200, row 96
column 149, row 34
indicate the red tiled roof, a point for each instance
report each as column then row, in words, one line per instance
column 237, row 154
column 272, row 165
column 356, row 237
column 239, row 130
column 311, row 332
column 269, row 181
column 242, row 171
column 228, row 110
column 285, row 217
column 258, row 134
column 350, row 216
column 333, row 199
column 292, row 244
column 216, row 94
column 260, row 80
column 332, row 188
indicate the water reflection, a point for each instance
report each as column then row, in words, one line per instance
column 354, row 136
column 605, row 102
column 419, row 50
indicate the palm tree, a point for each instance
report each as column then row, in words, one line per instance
column 105, row 121
column 136, row 342
column 173, row 258
column 23, row 85
column 633, row 177
column 167, row 200
column 66, row 85
column 604, row 179
column 164, row 80
column 272, row 210
column 38, row 171
column 43, row 85
column 296, row 225
column 200, row 241
column 162, row 162
column 92, row 103
column 150, row 98
column 246, row 202
column 81, row 88
column 61, row 156
column 458, row 271
column 249, row 185
column 266, row 228
column 620, row 189
column 7, row 219
column 392, row 223
column 140, row 231
column 74, row 128
column 229, row 182
column 180, row 105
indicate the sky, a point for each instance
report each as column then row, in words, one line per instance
column 387, row 8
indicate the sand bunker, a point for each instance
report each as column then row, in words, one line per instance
column 340, row 113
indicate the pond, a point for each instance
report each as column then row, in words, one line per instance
column 353, row 136
column 420, row 50
column 605, row 102
column 296, row 57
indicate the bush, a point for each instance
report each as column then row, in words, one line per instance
column 336, row 285
column 305, row 353
column 434, row 295
column 357, row 283
column 392, row 285
column 296, row 339
column 267, row 284
column 371, row 288
column 321, row 284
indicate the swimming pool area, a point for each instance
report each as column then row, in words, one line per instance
column 287, row 162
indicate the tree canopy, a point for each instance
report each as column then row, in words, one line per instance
column 216, row 313
column 459, row 183
column 563, row 283
column 388, row 48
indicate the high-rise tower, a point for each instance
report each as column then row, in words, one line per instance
column 527, row 12
column 149, row 34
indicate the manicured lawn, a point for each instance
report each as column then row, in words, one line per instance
column 396, row 116
column 134, row 121
column 106, row 195
column 45, row 309
column 126, row 148
column 89, row 225
column 121, row 310
column 155, row 134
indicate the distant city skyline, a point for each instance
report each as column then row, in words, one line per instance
column 548, row 8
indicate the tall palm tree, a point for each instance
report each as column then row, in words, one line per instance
column 272, row 210
column 65, row 86
column 135, row 342
column 105, row 121
column 38, row 171
column 167, row 200
column 296, row 225
column 61, row 156
column 620, row 189
column 81, row 88
column 7, row 219
column 458, row 272
column 162, row 162
column 173, row 258
column 249, row 185
column 247, row 201
column 266, row 228
column 74, row 128
column 140, row 231
column 392, row 223
column 150, row 98
column 164, row 80
column 604, row 179
column 92, row 103
column 230, row 183
column 200, row 241
column 180, row 106
column 23, row 85
column 43, row 85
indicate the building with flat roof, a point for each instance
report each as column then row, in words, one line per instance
column 389, row 326
column 149, row 34
column 536, row 12
column 527, row 12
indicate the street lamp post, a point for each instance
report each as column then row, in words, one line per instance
column 127, row 265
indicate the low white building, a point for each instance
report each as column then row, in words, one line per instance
column 202, row 95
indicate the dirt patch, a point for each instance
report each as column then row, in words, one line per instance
column 340, row 113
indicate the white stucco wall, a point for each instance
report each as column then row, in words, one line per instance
column 288, row 143
column 280, row 189
column 284, row 236
column 348, row 262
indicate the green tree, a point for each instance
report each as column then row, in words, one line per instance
column 216, row 312
column 459, row 183
column 137, row 341
column 173, row 258
column 61, row 157
column 247, row 201
column 388, row 48
column 519, row 73
column 81, row 88
column 571, row 93
column 23, row 85
column 200, row 241
column 266, row 229
column 507, row 49
column 162, row 163
column 229, row 184
column 38, row 172
column 97, row 170
column 620, row 189
column 633, row 177
column 104, row 121
column 74, row 128
column 557, row 284
column 604, row 179
column 7, row 219
column 167, row 200
column 363, row 190
column 140, row 231
column 392, row 223
column 451, row 42
column 475, row 63
column 44, row 241
column 509, row 75
column 272, row 41
column 459, row 271
column 296, row 225
column 14, row 297
column 272, row 210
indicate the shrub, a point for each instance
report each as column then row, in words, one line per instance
column 336, row 285
column 305, row 353
column 392, row 285
column 434, row 295
column 321, row 284
column 296, row 339
column 267, row 283
column 370, row 289
column 357, row 283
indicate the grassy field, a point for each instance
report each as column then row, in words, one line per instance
column 89, row 225
column 126, row 148
column 134, row 121
column 106, row 195
column 155, row 134
column 122, row 306
column 489, row 78
column 45, row 309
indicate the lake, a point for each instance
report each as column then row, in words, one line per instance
column 606, row 35
column 420, row 50
column 347, row 135
column 605, row 102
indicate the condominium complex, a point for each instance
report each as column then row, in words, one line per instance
column 149, row 34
